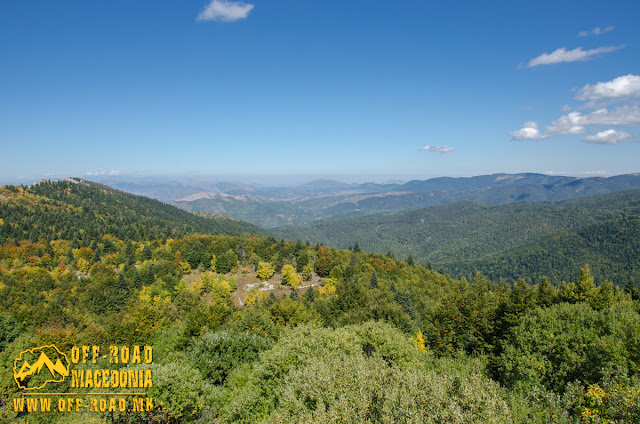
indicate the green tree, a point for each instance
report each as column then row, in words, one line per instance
column 290, row 277
column 310, row 295
column 545, row 293
column 216, row 354
column 146, row 253
column 374, row 280
column 565, row 342
column 307, row 271
column 265, row 270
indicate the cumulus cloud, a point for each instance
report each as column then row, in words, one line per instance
column 571, row 123
column 608, row 137
column 529, row 131
column 596, row 31
column 626, row 86
column 564, row 55
column 612, row 103
column 223, row 10
column 437, row 149
column 576, row 122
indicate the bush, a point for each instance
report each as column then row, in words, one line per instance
column 566, row 342
column 369, row 373
column 216, row 354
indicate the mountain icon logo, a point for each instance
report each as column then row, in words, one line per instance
column 34, row 368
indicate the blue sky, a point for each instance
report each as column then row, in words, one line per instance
column 353, row 89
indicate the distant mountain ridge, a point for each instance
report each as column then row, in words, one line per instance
column 326, row 199
column 270, row 207
column 548, row 182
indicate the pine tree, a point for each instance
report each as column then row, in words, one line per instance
column 374, row 280
column 120, row 291
column 146, row 253
column 310, row 295
column 148, row 277
column 137, row 280
column 545, row 293
column 96, row 257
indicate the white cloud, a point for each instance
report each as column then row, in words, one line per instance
column 618, row 88
column 564, row 55
column 223, row 10
column 110, row 173
column 612, row 104
column 565, row 108
column 596, row 31
column 624, row 115
column 571, row 123
column 608, row 137
column 437, row 149
column 576, row 122
column 529, row 131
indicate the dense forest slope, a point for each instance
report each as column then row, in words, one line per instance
column 611, row 247
column 81, row 210
column 252, row 329
column 506, row 241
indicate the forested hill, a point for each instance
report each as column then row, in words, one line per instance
column 506, row 241
column 81, row 210
column 611, row 248
column 259, row 330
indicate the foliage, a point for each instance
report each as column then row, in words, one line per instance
column 364, row 373
column 290, row 277
column 81, row 210
column 509, row 241
column 265, row 270
column 374, row 338
column 568, row 342
column 180, row 392
column 215, row 354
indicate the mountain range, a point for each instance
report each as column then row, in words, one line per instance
column 520, row 239
column 504, row 225
column 270, row 207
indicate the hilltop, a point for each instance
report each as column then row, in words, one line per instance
column 83, row 210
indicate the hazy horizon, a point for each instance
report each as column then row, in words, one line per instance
column 268, row 180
